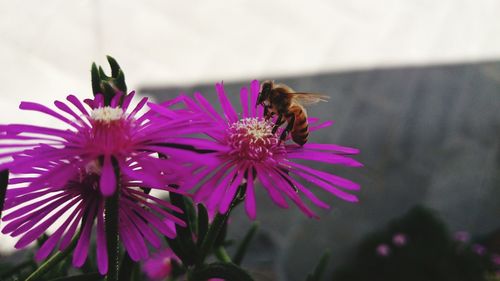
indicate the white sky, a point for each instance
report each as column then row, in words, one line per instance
column 46, row 47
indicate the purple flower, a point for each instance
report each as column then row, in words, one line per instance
column 383, row 250
column 247, row 151
column 495, row 259
column 33, row 210
column 99, row 137
column 399, row 239
column 69, row 173
column 479, row 249
column 159, row 266
column 462, row 236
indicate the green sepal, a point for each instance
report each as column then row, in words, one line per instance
column 226, row 271
column 320, row 268
column 115, row 67
column 106, row 85
column 96, row 80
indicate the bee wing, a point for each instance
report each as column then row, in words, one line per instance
column 309, row 98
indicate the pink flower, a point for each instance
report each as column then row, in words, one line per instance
column 99, row 137
column 399, row 239
column 383, row 250
column 247, row 151
column 479, row 249
column 462, row 236
column 159, row 266
column 58, row 173
column 495, row 259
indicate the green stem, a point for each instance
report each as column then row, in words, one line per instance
column 111, row 213
column 242, row 249
column 54, row 260
column 111, row 222
column 222, row 255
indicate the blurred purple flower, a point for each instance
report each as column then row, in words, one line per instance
column 383, row 250
column 248, row 151
column 462, row 236
column 159, row 266
column 399, row 239
column 479, row 249
column 495, row 259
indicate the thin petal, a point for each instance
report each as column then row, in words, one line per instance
column 226, row 105
column 107, row 182
column 250, row 207
column 254, row 95
column 82, row 247
column 230, row 193
column 244, row 102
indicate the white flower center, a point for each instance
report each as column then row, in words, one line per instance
column 254, row 128
column 107, row 114
column 253, row 139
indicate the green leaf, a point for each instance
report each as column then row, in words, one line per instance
column 54, row 260
column 222, row 255
column 127, row 267
column 242, row 248
column 4, row 181
column 211, row 236
column 320, row 268
column 202, row 223
column 184, row 234
column 83, row 277
column 226, row 271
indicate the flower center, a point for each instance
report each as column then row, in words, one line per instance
column 252, row 139
column 107, row 114
column 111, row 131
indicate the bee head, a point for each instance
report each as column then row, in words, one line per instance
column 265, row 91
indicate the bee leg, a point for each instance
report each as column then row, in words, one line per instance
column 267, row 113
column 278, row 123
column 288, row 128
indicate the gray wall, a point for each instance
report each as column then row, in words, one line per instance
column 428, row 135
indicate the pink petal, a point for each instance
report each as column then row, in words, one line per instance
column 107, row 182
column 226, row 105
column 244, row 101
column 230, row 193
column 254, row 95
column 82, row 247
column 250, row 198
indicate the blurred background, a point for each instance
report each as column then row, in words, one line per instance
column 414, row 84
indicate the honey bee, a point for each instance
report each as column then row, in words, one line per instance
column 288, row 105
